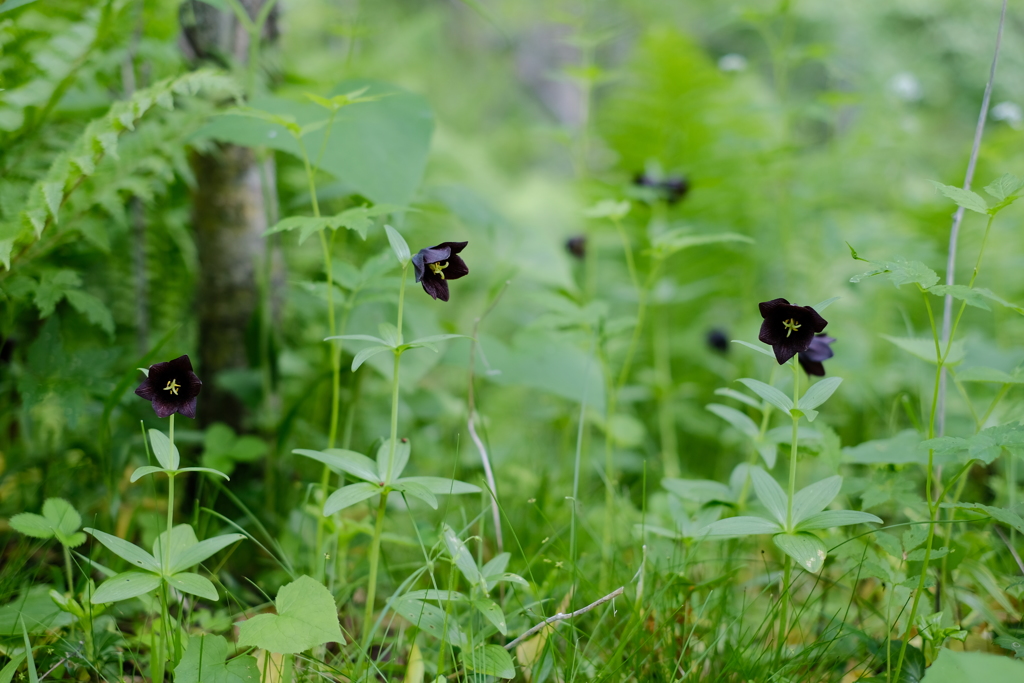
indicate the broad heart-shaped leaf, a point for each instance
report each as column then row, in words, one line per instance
column 185, row 558
column 735, row 418
column 925, row 348
column 129, row 552
column 306, row 617
column 415, row 490
column 965, row 198
column 341, row 460
column 165, row 452
column 398, row 245
column 819, row 392
column 1004, row 187
column 735, row 527
column 348, row 496
column 769, row 393
column 125, row 585
column 770, row 494
column 194, row 584
column 490, row 660
column 971, row 667
column 807, row 549
column 378, row 149
column 814, row 498
column 833, row 518
column 901, row 272
column 402, row 450
column 461, row 556
column 440, row 486
column 204, row 662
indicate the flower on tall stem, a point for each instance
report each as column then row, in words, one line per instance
column 671, row 188
column 788, row 328
column 435, row 266
column 172, row 387
column 818, row 351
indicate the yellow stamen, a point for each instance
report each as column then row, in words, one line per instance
column 173, row 387
column 791, row 326
column 436, row 268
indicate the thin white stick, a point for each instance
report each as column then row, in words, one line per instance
column 954, row 233
column 562, row 616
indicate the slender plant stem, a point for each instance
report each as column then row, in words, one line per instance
column 787, row 572
column 378, row 529
column 67, row 569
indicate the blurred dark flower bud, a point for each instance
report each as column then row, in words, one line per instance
column 577, row 246
column 718, row 340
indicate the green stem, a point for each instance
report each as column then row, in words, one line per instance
column 67, row 570
column 787, row 573
column 378, row 529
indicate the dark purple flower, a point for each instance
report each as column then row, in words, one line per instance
column 577, row 246
column 718, row 340
column 787, row 328
column 819, row 350
column 172, row 387
column 435, row 266
column 670, row 188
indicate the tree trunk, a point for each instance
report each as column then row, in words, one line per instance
column 230, row 217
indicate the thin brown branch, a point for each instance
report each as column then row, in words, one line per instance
column 562, row 616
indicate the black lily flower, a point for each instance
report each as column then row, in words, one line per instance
column 718, row 340
column 435, row 266
column 172, row 387
column 819, row 350
column 577, row 246
column 787, row 328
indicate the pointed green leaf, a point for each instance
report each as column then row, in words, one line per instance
column 194, row 584
column 925, row 348
column 461, row 556
column 124, row 586
column 341, row 460
column 969, row 667
column 193, row 555
column 737, row 419
column 402, row 450
column 141, row 472
column 165, row 452
column 493, row 613
column 768, row 393
column 735, row 527
column 1004, row 187
column 819, row 392
column 398, row 245
column 760, row 349
column 742, row 398
column 183, row 538
column 417, row 491
column 807, row 549
column 833, row 518
column 366, row 354
column 348, row 496
column 429, row 619
column 441, row 486
column 490, row 660
column 129, row 552
column 814, row 498
column 769, row 493
column 965, row 198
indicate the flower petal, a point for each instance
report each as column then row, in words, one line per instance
column 146, row 390
column 456, row 268
column 811, row 367
column 188, row 409
column 163, row 407
column 769, row 307
column 435, row 287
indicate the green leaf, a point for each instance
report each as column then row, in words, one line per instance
column 398, row 245
column 377, row 149
column 124, row 586
column 901, row 449
column 194, row 584
column 833, row 518
column 441, row 485
column 490, row 660
column 965, row 198
column 497, row 565
column 7, row 673
column 770, row 494
column 822, row 305
column 129, row 552
column 7, row 7
column 982, row 374
column 204, row 661
column 925, row 348
column 608, row 208
column 493, row 613
column 760, row 349
column 434, row 595
column 814, row 498
column 700, row 491
column 901, row 272
column 306, row 617
column 33, row 525
column 348, row 496
column 736, row 527
column 1014, row 645
column 807, row 549
column 141, row 472
column 94, row 310
column 429, row 619
column 968, row 295
column 970, row 667
column 165, row 452
column 737, row 419
column 992, row 296
column 366, row 354
column 64, row 518
column 1004, row 187
column 416, row 491
column 1007, row 517
column 341, row 460
column 193, row 555
column 461, row 556
column 742, row 398
column 819, row 392
column 402, row 450
column 673, row 241
column 768, row 393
